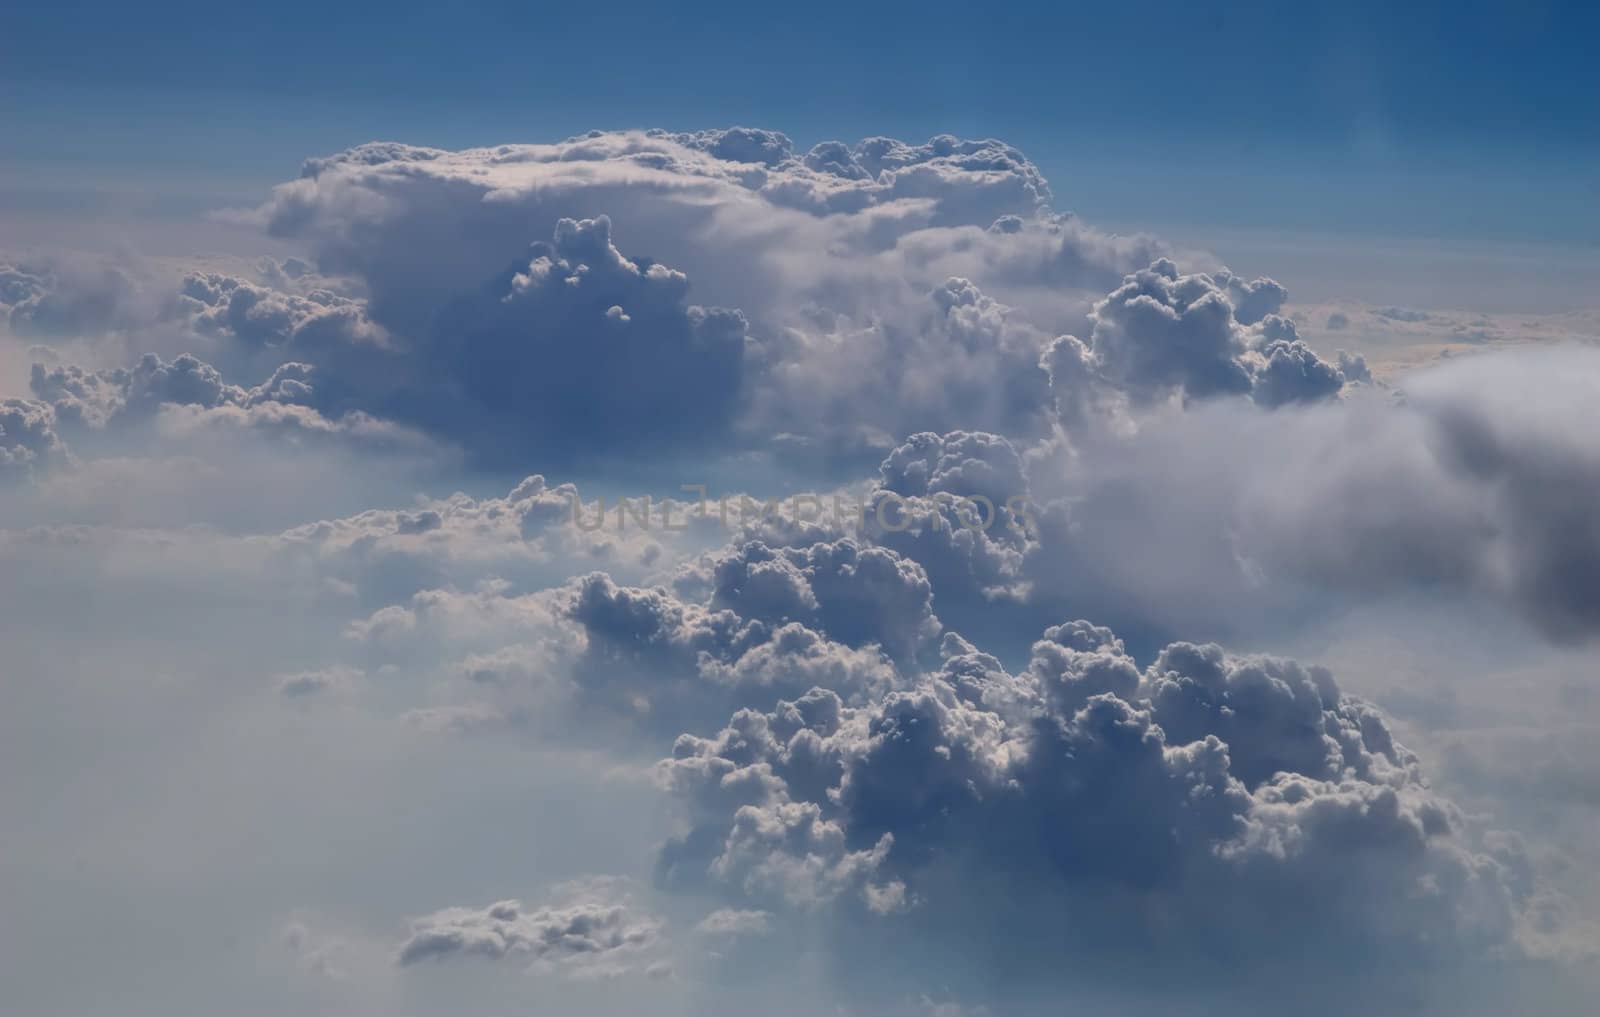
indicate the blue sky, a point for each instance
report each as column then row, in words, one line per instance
column 1473, row 122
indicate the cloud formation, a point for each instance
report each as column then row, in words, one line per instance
column 846, row 751
column 29, row 443
column 591, row 926
column 853, row 280
column 1197, row 806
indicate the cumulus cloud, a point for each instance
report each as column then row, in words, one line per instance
column 852, row 283
column 97, row 398
column 863, row 596
column 1163, row 333
column 586, row 349
column 1196, row 804
column 1252, row 299
column 187, row 396
column 53, row 298
column 668, row 662
column 961, row 359
column 253, row 315
column 857, row 747
column 741, row 624
column 1229, row 520
column 535, row 535
column 659, row 184
column 859, row 294
column 29, row 443
column 592, row 925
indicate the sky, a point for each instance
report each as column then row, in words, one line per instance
column 1470, row 122
column 925, row 510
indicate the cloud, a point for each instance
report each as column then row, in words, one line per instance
column 52, row 299
column 666, row 662
column 1401, row 314
column 97, row 398
column 1160, row 332
column 1467, row 486
column 671, row 191
column 591, row 926
column 346, row 527
column 739, row 625
column 536, row 535
column 843, row 306
column 1197, row 804
column 1291, row 373
column 862, row 596
column 187, row 397
column 1163, row 333
column 733, row 922
column 312, row 683
column 260, row 316
column 585, row 349
column 29, row 444
column 859, row 294
column 1231, row 521
column 957, row 358
column 1252, row 299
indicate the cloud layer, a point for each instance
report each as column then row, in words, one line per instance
column 369, row 589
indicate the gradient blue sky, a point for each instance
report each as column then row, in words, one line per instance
column 1470, row 124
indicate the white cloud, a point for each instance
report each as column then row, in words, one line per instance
column 260, row 656
column 589, row 927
